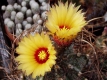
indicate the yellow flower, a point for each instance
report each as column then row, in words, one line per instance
column 64, row 22
column 36, row 55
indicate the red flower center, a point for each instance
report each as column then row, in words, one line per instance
column 61, row 27
column 41, row 55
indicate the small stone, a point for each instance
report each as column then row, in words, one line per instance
column 19, row 7
column 18, row 32
column 35, row 7
column 45, row 7
column 15, row 6
column 28, row 13
column 9, row 8
column 44, row 15
column 39, row 21
column 6, row 21
column 17, row 20
column 23, row 9
column 31, row 2
column 44, row 3
column 12, row 17
column 13, row 13
column 29, row 19
column 24, row 23
column 36, row 17
column 20, row 16
column 19, row 26
column 10, row 24
column 23, row 3
column 3, row 7
column 28, row 26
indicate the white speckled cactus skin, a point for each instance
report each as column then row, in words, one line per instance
column 25, row 13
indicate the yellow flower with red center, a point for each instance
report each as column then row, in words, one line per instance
column 64, row 22
column 36, row 55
